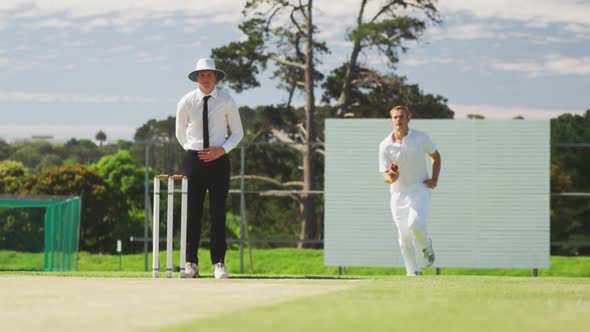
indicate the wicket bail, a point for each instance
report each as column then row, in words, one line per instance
column 169, row 224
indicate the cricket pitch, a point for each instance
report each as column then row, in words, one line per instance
column 49, row 303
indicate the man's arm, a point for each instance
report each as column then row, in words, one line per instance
column 436, row 162
column 181, row 123
column 235, row 126
column 237, row 133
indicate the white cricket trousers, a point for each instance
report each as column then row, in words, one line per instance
column 409, row 211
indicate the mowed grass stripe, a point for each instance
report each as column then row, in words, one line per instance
column 446, row 303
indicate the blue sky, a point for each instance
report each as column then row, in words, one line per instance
column 72, row 67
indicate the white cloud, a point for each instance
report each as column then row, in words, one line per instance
column 146, row 57
column 22, row 48
column 463, row 32
column 529, row 68
column 120, row 49
column 550, row 65
column 94, row 23
column 62, row 132
column 581, row 30
column 132, row 10
column 44, row 97
column 535, row 11
column 419, row 61
column 536, row 24
column 47, row 55
column 494, row 112
column 3, row 21
column 333, row 12
column 568, row 66
column 5, row 62
column 195, row 44
column 29, row 13
column 52, row 23
column 70, row 66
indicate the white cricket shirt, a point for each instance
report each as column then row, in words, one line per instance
column 410, row 156
column 222, row 114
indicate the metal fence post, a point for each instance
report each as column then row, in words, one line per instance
column 147, row 203
column 242, row 205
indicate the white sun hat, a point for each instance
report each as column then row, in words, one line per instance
column 206, row 64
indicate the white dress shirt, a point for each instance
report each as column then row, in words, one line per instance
column 223, row 113
column 410, row 156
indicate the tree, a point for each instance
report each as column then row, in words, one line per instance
column 386, row 31
column 79, row 151
column 373, row 94
column 569, row 215
column 100, row 137
column 27, row 154
column 5, row 149
column 475, row 117
column 518, row 117
column 48, row 160
column 126, row 181
column 98, row 201
column 12, row 174
column 165, row 152
column 291, row 47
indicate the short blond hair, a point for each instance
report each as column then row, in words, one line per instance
column 401, row 109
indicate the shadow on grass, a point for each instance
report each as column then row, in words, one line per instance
column 20, row 270
column 147, row 275
column 318, row 277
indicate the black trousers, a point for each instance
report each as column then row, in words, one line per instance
column 202, row 177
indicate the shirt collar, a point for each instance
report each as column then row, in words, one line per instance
column 201, row 94
column 410, row 132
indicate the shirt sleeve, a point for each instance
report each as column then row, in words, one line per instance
column 181, row 122
column 383, row 160
column 235, row 126
column 429, row 146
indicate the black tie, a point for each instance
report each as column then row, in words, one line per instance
column 205, row 123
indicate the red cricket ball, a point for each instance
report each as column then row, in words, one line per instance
column 393, row 166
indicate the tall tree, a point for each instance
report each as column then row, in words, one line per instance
column 373, row 94
column 100, row 137
column 281, row 31
column 384, row 31
column 165, row 153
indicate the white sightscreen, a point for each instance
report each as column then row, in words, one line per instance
column 490, row 209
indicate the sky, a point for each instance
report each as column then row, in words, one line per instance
column 69, row 68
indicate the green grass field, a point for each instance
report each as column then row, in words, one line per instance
column 278, row 262
column 374, row 299
column 446, row 303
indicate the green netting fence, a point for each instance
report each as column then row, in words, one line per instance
column 61, row 227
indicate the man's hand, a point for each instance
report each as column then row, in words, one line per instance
column 211, row 154
column 430, row 183
column 390, row 176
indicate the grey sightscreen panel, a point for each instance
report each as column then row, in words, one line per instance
column 490, row 210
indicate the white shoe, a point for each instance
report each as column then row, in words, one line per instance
column 219, row 271
column 428, row 253
column 415, row 274
column 191, row 270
